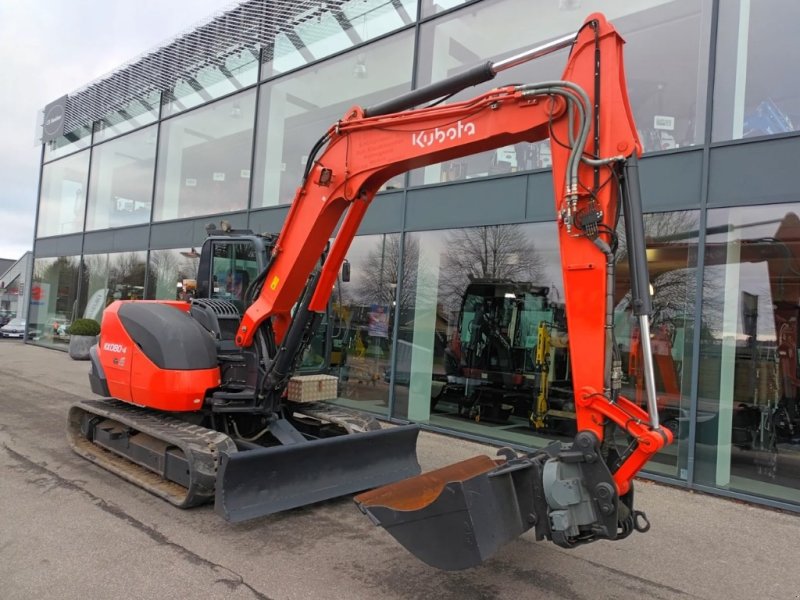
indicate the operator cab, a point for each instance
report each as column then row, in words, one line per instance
column 230, row 261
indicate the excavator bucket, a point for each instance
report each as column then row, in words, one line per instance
column 456, row 517
column 263, row 481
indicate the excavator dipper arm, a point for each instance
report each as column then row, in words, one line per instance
column 570, row 493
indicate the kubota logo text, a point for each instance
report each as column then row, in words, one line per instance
column 424, row 139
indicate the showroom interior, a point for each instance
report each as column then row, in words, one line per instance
column 455, row 276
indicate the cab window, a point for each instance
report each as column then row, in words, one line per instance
column 233, row 266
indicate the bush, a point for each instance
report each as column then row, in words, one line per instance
column 84, row 327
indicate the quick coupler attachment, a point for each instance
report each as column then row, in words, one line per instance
column 456, row 517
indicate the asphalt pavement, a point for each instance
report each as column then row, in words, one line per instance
column 68, row 530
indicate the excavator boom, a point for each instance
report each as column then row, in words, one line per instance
column 587, row 116
column 232, row 369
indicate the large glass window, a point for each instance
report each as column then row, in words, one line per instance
column 11, row 292
column 320, row 32
column 666, row 81
column 296, row 111
column 672, row 261
column 363, row 312
column 748, row 431
column 109, row 277
column 172, row 274
column 68, row 143
column 54, row 299
column 483, row 344
column 63, row 197
column 472, row 303
column 204, row 160
column 121, row 183
column 433, row 7
column 231, row 71
column 752, row 95
column 133, row 115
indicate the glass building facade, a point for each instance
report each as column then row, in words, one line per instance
column 449, row 299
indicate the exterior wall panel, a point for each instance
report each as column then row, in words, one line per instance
column 268, row 221
column 465, row 204
column 385, row 214
column 754, row 173
column 671, row 182
column 539, row 205
column 118, row 240
column 58, row 246
column 171, row 235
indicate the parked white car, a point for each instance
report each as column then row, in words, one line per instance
column 14, row 328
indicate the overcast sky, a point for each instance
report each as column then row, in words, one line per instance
column 49, row 48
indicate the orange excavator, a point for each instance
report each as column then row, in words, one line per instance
column 196, row 393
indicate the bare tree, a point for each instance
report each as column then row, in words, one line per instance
column 127, row 268
column 383, row 267
column 168, row 267
column 495, row 251
column 672, row 239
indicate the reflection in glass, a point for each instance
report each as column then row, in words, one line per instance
column 373, row 18
column 321, row 32
column 54, row 296
column 748, row 436
column 110, row 277
column 752, row 95
column 63, row 196
column 666, row 81
column 483, row 343
column 133, row 115
column 672, row 240
column 476, row 303
column 121, row 184
column 68, row 143
column 363, row 311
column 220, row 76
column 434, row 7
column 296, row 111
column 172, row 274
column 204, row 160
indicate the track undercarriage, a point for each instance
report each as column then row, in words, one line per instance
column 247, row 475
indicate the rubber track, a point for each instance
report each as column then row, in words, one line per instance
column 200, row 446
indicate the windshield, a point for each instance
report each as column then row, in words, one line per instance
column 16, row 323
column 234, row 266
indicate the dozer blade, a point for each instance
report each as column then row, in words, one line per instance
column 263, row 481
column 456, row 517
